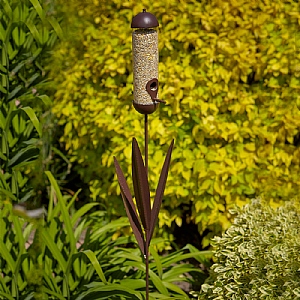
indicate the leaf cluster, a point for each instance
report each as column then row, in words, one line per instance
column 229, row 71
column 258, row 256
column 27, row 32
column 76, row 254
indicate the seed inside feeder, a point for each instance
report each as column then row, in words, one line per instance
column 145, row 64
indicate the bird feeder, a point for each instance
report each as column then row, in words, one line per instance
column 145, row 62
column 142, row 216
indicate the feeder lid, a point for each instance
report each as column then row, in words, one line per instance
column 144, row 20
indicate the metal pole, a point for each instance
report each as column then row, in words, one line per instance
column 146, row 143
column 147, row 274
column 146, row 234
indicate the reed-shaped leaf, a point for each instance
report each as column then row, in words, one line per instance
column 81, row 212
column 33, row 118
column 130, row 208
column 157, row 261
column 6, row 296
column 157, row 282
column 95, row 263
column 179, row 256
column 52, row 293
column 63, row 209
column 38, row 8
column 174, row 288
column 50, row 280
column 109, row 227
column 160, row 190
column 175, row 273
column 8, row 194
column 141, row 186
column 6, row 255
column 23, row 156
column 54, row 249
column 97, row 291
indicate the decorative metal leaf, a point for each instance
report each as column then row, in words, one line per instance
column 160, row 191
column 130, row 208
column 141, row 186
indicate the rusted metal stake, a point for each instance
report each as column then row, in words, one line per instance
column 147, row 273
column 146, row 168
column 146, row 143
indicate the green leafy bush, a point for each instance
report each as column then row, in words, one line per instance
column 76, row 254
column 258, row 256
column 27, row 32
column 229, row 71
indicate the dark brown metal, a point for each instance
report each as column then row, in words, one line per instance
column 147, row 272
column 147, row 215
column 144, row 20
column 142, row 216
column 141, row 186
column 160, row 191
column 152, row 88
column 146, row 142
column 146, row 109
column 130, row 208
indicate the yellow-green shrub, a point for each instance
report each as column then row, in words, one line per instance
column 230, row 73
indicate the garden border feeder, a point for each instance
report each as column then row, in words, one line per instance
column 142, row 216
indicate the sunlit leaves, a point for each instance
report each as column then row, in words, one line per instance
column 257, row 257
column 228, row 71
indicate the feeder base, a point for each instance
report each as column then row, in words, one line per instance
column 146, row 109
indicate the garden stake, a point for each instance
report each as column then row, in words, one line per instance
column 146, row 143
column 142, row 217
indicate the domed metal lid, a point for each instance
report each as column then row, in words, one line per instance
column 144, row 20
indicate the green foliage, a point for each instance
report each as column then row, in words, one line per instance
column 76, row 254
column 26, row 35
column 258, row 256
column 229, row 71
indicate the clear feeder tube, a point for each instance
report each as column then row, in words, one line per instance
column 145, row 64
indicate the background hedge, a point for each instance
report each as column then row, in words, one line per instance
column 230, row 73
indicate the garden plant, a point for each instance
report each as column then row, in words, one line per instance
column 230, row 76
column 76, row 254
column 229, row 71
column 258, row 256
column 61, row 252
column 27, row 33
